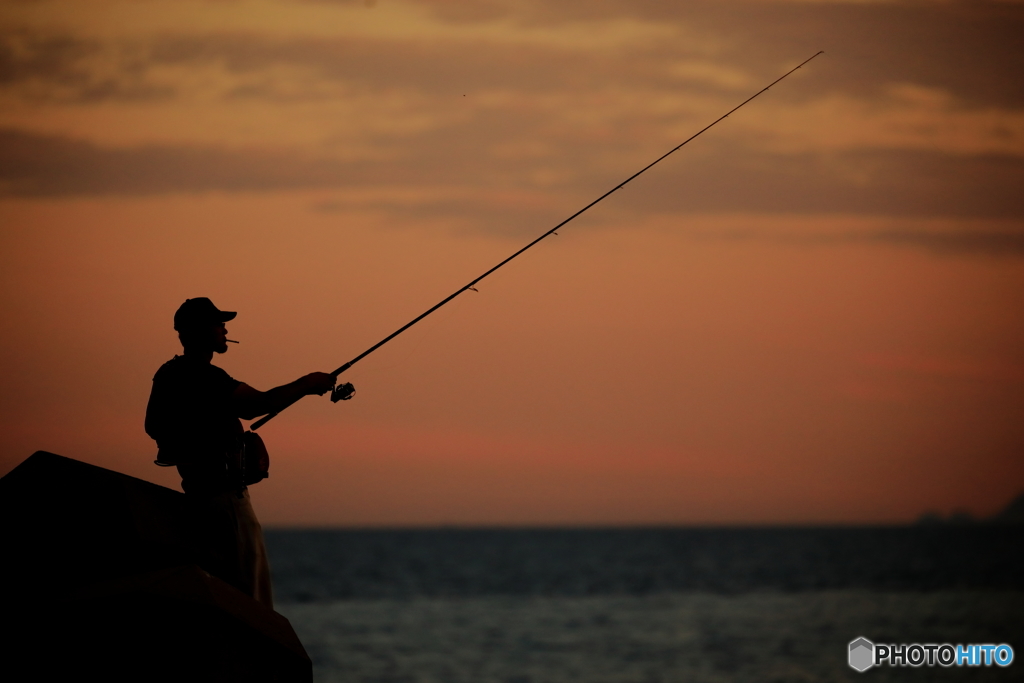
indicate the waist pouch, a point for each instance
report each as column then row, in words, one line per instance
column 254, row 460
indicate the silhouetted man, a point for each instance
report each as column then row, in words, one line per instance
column 193, row 414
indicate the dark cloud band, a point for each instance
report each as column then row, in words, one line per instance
column 906, row 184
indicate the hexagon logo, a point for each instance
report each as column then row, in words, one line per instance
column 862, row 654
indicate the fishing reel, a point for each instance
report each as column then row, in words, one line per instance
column 342, row 392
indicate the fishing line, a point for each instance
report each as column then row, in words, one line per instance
column 343, row 392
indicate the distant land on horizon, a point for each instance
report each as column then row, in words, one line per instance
column 1013, row 513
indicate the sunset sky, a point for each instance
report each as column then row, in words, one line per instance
column 814, row 313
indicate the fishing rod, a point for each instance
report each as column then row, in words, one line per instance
column 343, row 392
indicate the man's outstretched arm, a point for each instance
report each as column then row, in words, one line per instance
column 251, row 403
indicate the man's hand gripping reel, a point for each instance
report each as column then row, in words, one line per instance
column 339, row 392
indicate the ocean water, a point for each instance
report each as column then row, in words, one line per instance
column 531, row 606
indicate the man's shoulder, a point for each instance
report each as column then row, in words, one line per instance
column 182, row 366
column 171, row 367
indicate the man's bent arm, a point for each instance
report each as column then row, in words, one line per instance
column 251, row 403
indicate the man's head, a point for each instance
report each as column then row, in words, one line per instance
column 200, row 325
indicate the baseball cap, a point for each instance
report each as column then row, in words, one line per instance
column 199, row 312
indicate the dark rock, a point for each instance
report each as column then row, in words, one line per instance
column 100, row 578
